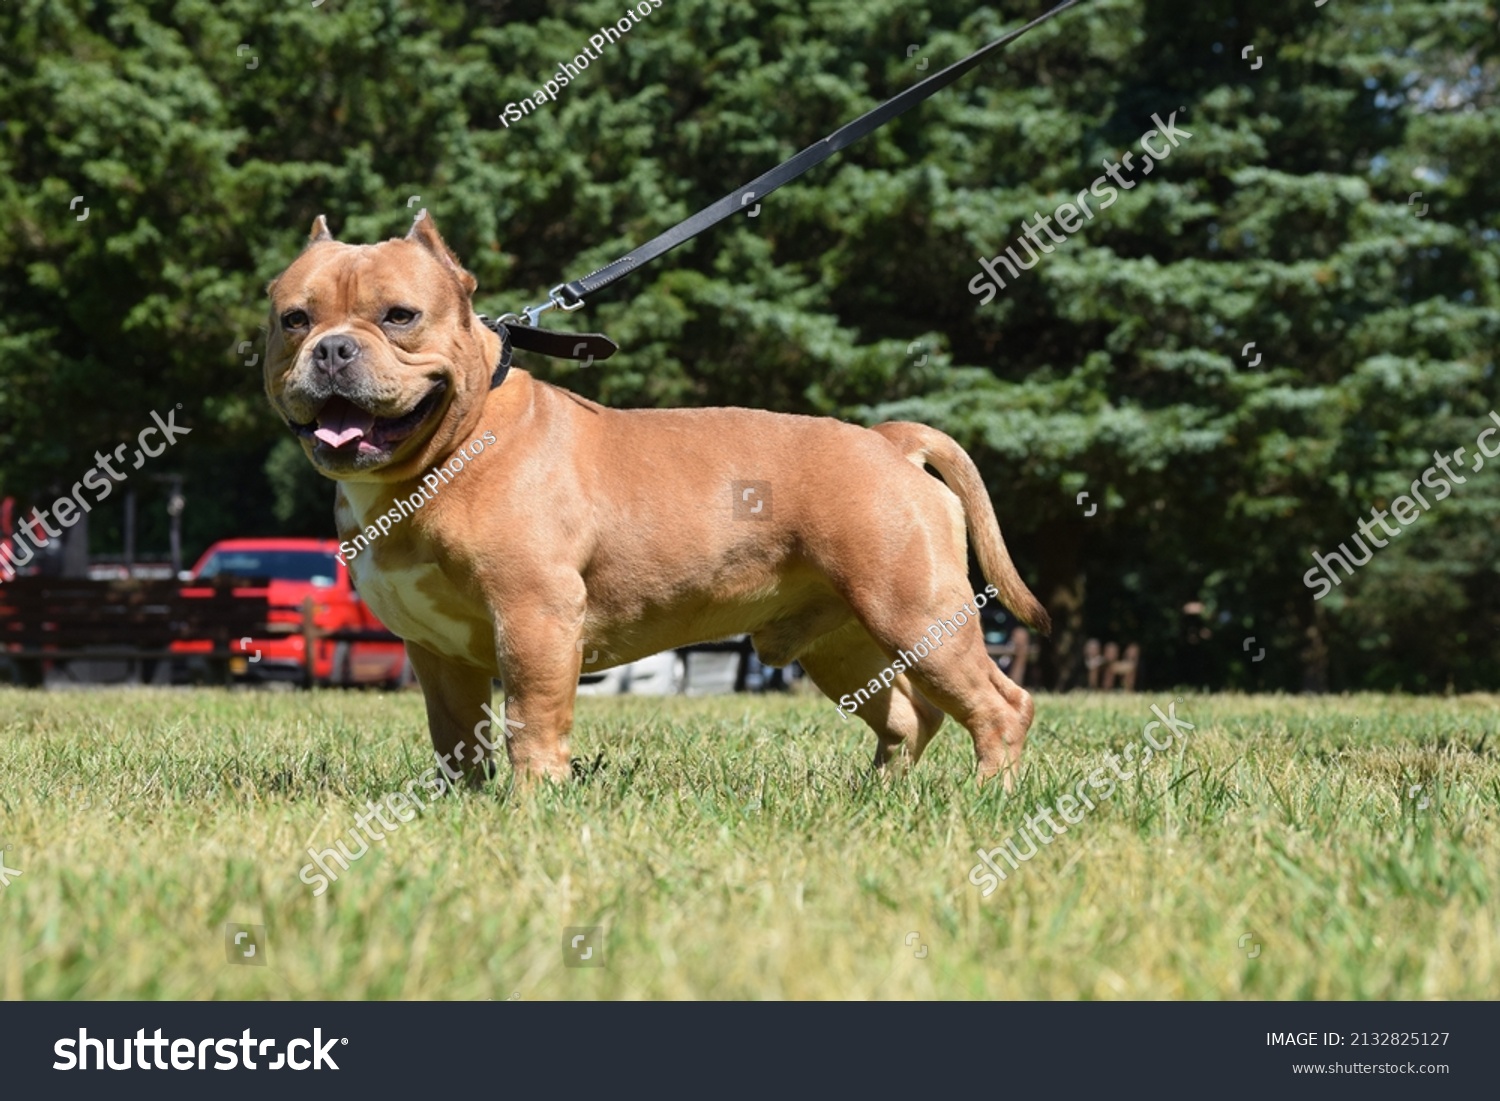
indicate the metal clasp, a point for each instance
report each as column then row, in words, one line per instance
column 554, row 300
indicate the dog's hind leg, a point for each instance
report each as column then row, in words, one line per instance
column 953, row 669
column 961, row 678
column 846, row 661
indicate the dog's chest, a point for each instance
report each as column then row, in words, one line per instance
column 421, row 605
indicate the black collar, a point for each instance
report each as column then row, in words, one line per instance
column 589, row 348
column 502, row 330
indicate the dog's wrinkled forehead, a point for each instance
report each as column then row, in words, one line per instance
column 332, row 279
column 335, row 280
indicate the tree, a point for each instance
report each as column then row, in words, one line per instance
column 204, row 137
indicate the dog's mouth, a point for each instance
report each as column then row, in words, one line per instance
column 342, row 430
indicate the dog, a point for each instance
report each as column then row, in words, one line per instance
column 524, row 523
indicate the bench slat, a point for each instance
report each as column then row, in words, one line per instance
column 73, row 618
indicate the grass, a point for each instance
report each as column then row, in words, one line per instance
column 736, row 848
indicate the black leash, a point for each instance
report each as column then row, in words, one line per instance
column 569, row 296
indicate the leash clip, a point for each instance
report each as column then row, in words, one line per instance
column 554, row 300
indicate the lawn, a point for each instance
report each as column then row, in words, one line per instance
column 736, row 848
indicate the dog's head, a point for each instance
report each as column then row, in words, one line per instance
column 376, row 359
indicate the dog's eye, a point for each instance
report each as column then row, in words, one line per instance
column 399, row 315
column 294, row 319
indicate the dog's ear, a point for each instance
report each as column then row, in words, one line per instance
column 317, row 235
column 424, row 232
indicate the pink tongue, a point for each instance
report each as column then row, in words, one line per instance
column 342, row 421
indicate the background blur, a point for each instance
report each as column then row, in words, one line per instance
column 205, row 136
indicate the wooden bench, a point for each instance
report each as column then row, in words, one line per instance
column 1105, row 664
column 49, row 619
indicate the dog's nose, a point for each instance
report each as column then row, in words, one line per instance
column 334, row 353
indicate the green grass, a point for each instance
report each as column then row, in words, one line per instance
column 736, row 848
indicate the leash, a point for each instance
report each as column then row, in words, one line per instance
column 570, row 296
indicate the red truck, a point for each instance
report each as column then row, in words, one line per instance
column 298, row 569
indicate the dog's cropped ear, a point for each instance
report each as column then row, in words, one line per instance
column 424, row 232
column 317, row 235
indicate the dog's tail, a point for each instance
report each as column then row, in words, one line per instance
column 923, row 445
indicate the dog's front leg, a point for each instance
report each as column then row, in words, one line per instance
column 540, row 662
column 456, row 694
